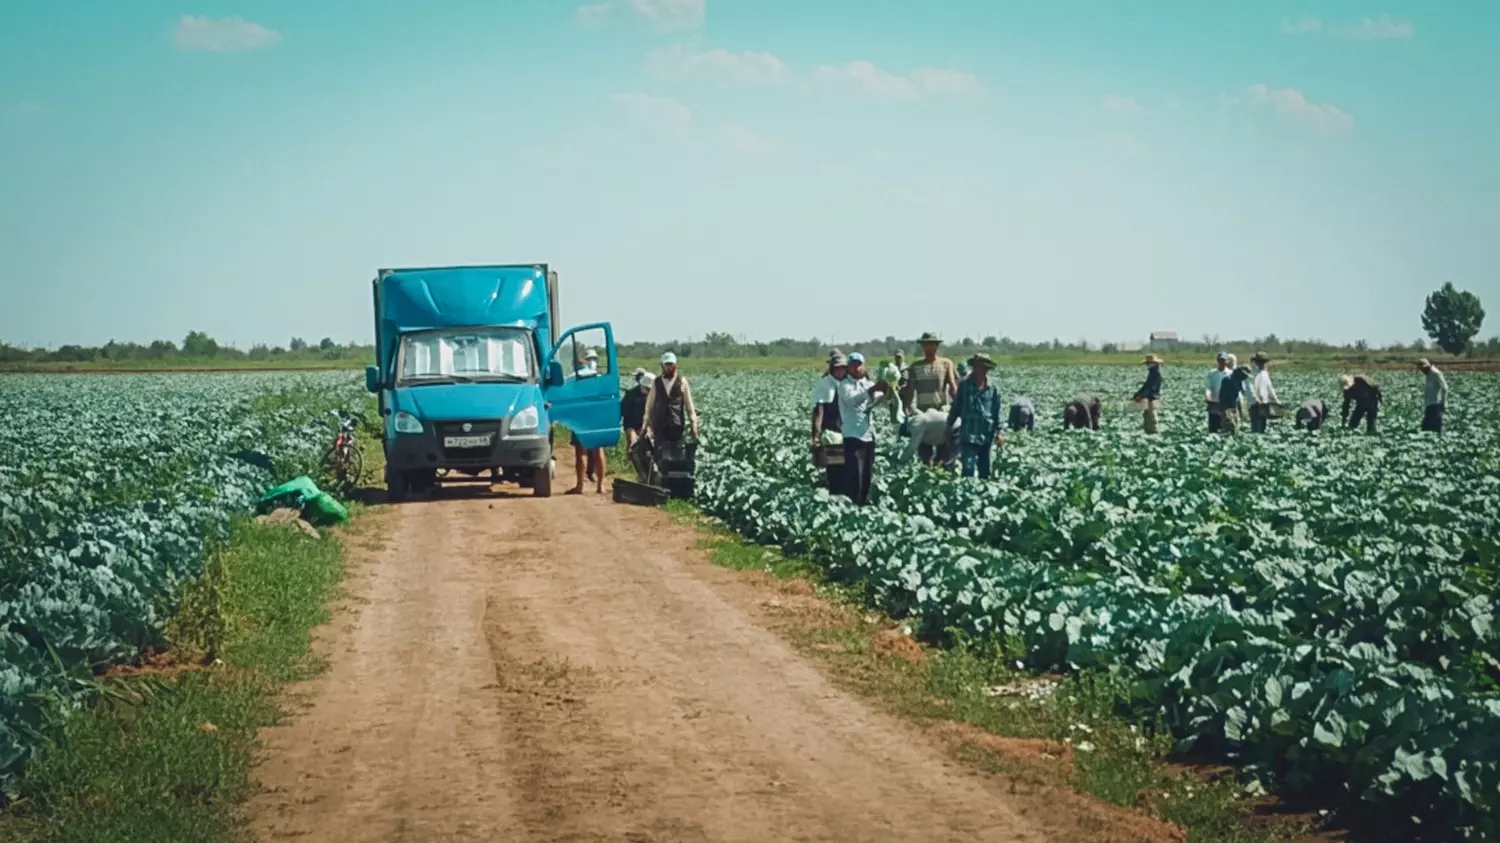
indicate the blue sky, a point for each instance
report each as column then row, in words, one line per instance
column 767, row 167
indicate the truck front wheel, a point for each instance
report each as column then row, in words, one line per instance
column 541, row 481
column 397, row 489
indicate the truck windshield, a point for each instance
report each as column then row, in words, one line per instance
column 469, row 354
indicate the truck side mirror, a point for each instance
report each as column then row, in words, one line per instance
column 372, row 379
column 555, row 373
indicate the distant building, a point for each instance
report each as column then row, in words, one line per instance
column 1163, row 340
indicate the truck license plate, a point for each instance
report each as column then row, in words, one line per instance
column 466, row 441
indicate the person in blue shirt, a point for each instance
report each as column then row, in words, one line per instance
column 977, row 407
column 1150, row 393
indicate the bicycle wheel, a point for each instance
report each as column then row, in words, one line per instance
column 352, row 472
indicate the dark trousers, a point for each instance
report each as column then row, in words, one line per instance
column 835, row 475
column 976, row 460
column 1260, row 418
column 1432, row 419
column 859, row 468
column 1215, row 422
column 1367, row 415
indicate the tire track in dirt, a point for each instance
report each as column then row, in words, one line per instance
column 556, row 670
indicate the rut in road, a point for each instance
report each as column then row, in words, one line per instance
column 519, row 669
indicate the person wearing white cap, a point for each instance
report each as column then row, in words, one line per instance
column 825, row 413
column 858, row 397
column 669, row 405
column 1435, row 396
column 590, row 366
column 633, row 406
column 1211, row 385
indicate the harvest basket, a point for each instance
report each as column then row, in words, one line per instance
column 639, row 494
column 828, row 456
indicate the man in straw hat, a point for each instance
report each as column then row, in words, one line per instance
column 931, row 384
column 976, row 410
column 1262, row 394
column 1364, row 397
column 1150, row 393
column 1435, row 395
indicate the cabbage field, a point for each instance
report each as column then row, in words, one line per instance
column 1320, row 609
column 111, row 490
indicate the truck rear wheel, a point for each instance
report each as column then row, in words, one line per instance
column 541, row 481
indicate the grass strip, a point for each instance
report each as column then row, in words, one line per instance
column 1072, row 719
column 166, row 753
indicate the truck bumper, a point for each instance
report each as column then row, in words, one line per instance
column 425, row 450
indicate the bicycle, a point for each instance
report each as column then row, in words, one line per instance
column 345, row 461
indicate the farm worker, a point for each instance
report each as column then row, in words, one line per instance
column 1311, row 414
column 1244, row 399
column 858, row 397
column 978, row 405
column 1262, row 394
column 901, row 366
column 1436, row 396
column 1150, row 393
column 633, row 406
column 1082, row 412
column 1231, row 395
column 1022, row 415
column 825, row 412
column 590, row 365
column 669, row 405
column 927, row 429
column 930, row 385
column 1215, row 379
column 1364, row 396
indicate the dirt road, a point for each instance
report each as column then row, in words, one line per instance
column 569, row 670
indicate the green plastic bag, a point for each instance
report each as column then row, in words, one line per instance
column 322, row 510
column 292, row 494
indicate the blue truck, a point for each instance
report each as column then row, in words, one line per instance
column 472, row 373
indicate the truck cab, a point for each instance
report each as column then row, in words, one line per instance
column 472, row 373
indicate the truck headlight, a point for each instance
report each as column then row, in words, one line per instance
column 407, row 423
column 526, row 421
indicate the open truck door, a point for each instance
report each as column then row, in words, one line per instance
column 583, row 390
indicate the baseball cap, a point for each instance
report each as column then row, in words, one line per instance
column 838, row 360
column 1224, row 355
column 669, row 359
column 647, row 379
column 591, row 355
column 856, row 357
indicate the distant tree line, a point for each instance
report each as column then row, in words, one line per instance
column 722, row 345
column 196, row 347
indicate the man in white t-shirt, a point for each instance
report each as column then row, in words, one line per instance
column 858, row 398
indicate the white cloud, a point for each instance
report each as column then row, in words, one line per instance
column 1364, row 29
column 665, row 15
column 671, row 14
column 744, row 140
column 592, row 15
column 1383, row 27
column 1305, row 25
column 684, row 61
column 1120, row 104
column 1294, row 105
column 865, row 77
column 656, row 110
column 221, row 35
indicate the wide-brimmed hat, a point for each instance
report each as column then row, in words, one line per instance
column 1152, row 360
column 838, row 360
column 1260, row 357
column 591, row 355
column 1245, row 370
column 981, row 357
column 1345, row 381
column 927, row 337
column 1424, row 363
